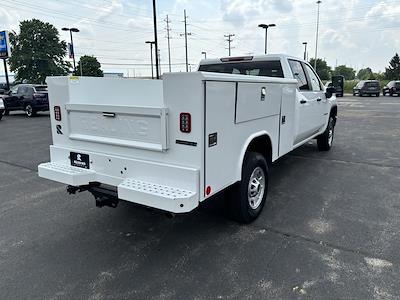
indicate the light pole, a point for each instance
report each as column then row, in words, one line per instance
column 151, row 57
column 71, row 30
column 305, row 50
column 155, row 39
column 316, row 39
column 205, row 54
column 265, row 26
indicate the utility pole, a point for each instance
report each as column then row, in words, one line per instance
column 169, row 45
column 186, row 41
column 155, row 38
column 316, row 39
column 205, row 54
column 229, row 40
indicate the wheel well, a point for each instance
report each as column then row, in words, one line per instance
column 262, row 145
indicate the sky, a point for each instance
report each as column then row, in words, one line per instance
column 353, row 32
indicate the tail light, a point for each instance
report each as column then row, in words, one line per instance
column 185, row 122
column 57, row 113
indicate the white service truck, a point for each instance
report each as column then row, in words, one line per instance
column 173, row 143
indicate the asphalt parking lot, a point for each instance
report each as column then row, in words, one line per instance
column 330, row 229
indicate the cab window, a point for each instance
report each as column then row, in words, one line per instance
column 315, row 83
column 299, row 75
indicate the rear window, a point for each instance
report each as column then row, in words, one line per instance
column 262, row 68
column 372, row 83
column 41, row 88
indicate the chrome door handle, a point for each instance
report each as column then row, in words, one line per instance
column 319, row 99
column 108, row 115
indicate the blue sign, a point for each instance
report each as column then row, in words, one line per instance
column 4, row 45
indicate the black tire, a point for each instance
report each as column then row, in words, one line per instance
column 378, row 94
column 6, row 112
column 239, row 202
column 325, row 140
column 1, row 115
column 30, row 111
column 391, row 94
column 359, row 94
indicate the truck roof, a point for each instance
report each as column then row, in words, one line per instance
column 232, row 59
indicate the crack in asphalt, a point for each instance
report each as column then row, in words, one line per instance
column 346, row 161
column 17, row 165
column 321, row 243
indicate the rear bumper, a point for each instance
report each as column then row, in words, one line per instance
column 166, row 187
column 369, row 92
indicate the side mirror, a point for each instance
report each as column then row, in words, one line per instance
column 329, row 92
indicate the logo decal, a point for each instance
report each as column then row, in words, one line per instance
column 58, row 127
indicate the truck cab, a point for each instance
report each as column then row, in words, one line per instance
column 173, row 143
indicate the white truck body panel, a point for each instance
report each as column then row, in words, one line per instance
column 130, row 130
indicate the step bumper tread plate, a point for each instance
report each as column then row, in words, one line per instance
column 66, row 174
column 168, row 198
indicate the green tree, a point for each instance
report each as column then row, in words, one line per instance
column 347, row 72
column 37, row 52
column 90, row 66
column 393, row 71
column 323, row 70
column 364, row 74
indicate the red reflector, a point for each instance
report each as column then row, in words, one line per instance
column 57, row 113
column 186, row 122
column 208, row 190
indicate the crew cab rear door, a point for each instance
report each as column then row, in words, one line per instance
column 317, row 93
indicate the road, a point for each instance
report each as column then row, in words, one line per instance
column 330, row 228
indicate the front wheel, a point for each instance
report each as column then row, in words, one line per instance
column 325, row 140
column 248, row 197
column 30, row 112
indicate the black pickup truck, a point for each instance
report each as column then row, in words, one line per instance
column 30, row 98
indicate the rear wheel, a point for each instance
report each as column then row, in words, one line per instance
column 30, row 112
column 377, row 94
column 248, row 197
column 6, row 112
column 1, row 114
column 325, row 140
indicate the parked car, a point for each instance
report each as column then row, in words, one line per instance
column 367, row 87
column 391, row 88
column 173, row 143
column 338, row 84
column 1, row 108
column 3, row 86
column 30, row 98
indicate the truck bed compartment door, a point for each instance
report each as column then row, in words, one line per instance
column 220, row 155
column 287, row 119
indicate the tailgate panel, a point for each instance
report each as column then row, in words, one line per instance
column 136, row 127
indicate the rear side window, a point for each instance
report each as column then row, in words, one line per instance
column 299, row 74
column 397, row 85
column 315, row 83
column 254, row 68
